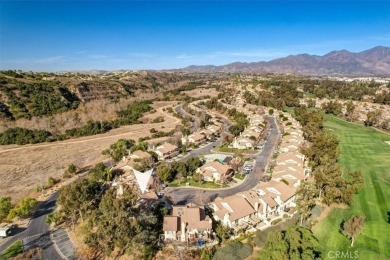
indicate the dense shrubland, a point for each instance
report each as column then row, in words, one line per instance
column 130, row 115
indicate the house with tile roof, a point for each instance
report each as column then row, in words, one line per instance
column 292, row 174
column 215, row 171
column 187, row 222
column 278, row 197
column 232, row 211
column 242, row 143
column 166, row 151
column 292, row 158
column 196, row 138
column 138, row 154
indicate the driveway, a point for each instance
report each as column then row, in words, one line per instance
column 203, row 196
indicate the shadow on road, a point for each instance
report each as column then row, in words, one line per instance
column 43, row 241
column 16, row 230
column 45, row 209
column 186, row 199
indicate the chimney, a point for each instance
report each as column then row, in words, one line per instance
column 183, row 231
column 278, row 199
column 256, row 206
column 264, row 206
column 226, row 218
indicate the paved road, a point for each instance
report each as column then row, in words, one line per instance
column 207, row 148
column 203, row 196
column 194, row 122
column 37, row 234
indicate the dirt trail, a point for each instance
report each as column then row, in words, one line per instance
column 22, row 167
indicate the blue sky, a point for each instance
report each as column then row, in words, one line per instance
column 72, row 35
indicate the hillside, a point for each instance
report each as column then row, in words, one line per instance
column 28, row 95
column 375, row 61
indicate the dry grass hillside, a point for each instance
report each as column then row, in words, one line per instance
column 22, row 166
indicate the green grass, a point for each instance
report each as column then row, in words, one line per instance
column 362, row 149
column 13, row 250
column 224, row 148
column 239, row 176
column 209, row 185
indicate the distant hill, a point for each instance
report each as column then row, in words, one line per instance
column 372, row 62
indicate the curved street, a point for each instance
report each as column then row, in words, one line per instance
column 182, row 195
column 37, row 234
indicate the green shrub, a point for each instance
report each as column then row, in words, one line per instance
column 21, row 136
column 276, row 221
column 72, row 168
column 233, row 251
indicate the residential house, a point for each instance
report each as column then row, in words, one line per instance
column 242, row 143
column 143, row 184
column 215, row 171
column 286, row 147
column 215, row 129
column 233, row 211
column 276, row 197
column 295, row 158
column 292, row 174
column 140, row 155
column 248, row 133
column 166, row 151
column 197, row 138
column 187, row 223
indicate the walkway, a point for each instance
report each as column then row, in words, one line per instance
column 63, row 244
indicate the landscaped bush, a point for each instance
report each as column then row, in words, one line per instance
column 276, row 221
column 233, row 251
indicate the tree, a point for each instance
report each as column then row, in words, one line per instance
column 23, row 208
column 223, row 232
column 119, row 149
column 353, row 227
column 118, row 225
column 101, row 173
column 372, row 118
column 311, row 102
column 78, row 198
column 332, row 107
column 350, row 109
column 164, row 172
column 53, row 218
column 5, row 207
column 271, row 111
column 293, row 243
column 306, row 199
column 357, row 179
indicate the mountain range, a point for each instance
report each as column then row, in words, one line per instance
column 372, row 62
